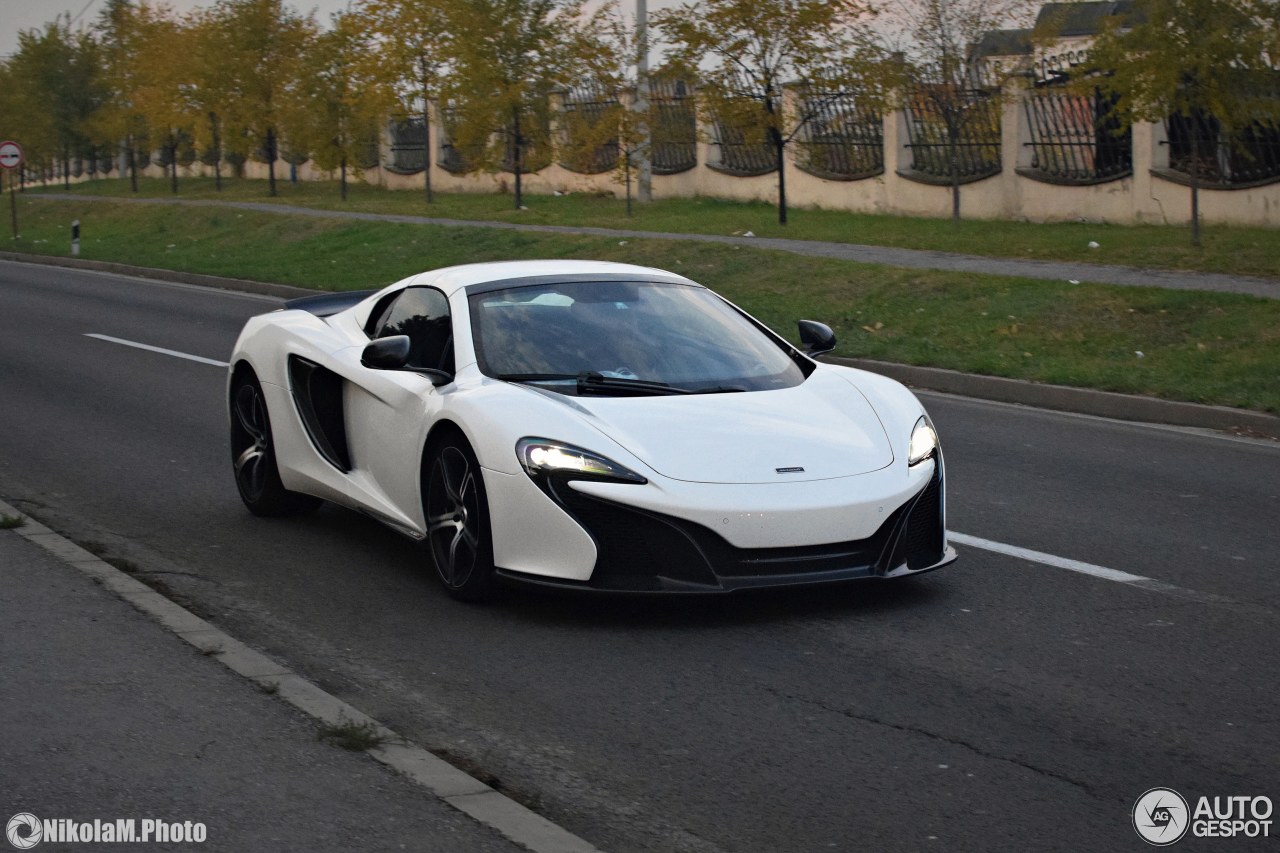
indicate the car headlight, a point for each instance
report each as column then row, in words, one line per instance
column 924, row 441
column 544, row 456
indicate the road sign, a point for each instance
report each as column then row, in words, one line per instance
column 10, row 155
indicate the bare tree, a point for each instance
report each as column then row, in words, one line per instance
column 746, row 52
column 943, row 80
column 1206, row 62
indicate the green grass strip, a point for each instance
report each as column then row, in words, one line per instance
column 1227, row 249
column 1201, row 347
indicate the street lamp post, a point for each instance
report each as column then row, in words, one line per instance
column 644, row 163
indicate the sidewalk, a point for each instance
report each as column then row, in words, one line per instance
column 910, row 258
column 107, row 715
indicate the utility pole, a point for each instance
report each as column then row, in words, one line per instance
column 644, row 163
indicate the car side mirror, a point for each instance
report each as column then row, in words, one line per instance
column 392, row 353
column 816, row 337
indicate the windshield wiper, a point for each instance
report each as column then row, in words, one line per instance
column 590, row 382
column 720, row 389
column 593, row 383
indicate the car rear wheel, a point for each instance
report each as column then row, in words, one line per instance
column 457, row 513
column 253, row 455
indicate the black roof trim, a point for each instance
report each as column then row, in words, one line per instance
column 574, row 278
column 328, row 304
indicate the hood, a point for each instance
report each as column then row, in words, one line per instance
column 818, row 430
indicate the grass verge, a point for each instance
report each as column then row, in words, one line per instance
column 1200, row 347
column 1227, row 249
column 351, row 735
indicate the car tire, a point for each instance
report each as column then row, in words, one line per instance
column 253, row 456
column 456, row 509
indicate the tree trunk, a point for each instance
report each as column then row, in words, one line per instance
column 271, row 161
column 66, row 167
column 518, row 145
column 217, row 151
column 779, row 148
column 342, row 167
column 644, row 134
column 133, row 167
column 173, row 164
column 1195, row 183
column 426, row 135
column 953, row 144
column 626, row 171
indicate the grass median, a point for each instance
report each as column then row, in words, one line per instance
column 1201, row 347
column 1227, row 249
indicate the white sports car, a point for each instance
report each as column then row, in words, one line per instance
column 588, row 425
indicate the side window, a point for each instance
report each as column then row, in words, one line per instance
column 423, row 314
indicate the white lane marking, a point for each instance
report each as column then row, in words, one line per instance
column 199, row 358
column 1084, row 568
column 1046, row 559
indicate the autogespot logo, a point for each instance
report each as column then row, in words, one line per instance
column 24, row 831
column 1160, row 816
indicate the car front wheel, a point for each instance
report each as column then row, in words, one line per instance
column 457, row 513
column 253, row 455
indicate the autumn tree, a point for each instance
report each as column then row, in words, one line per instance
column 259, row 44
column 412, row 52
column 750, row 51
column 336, row 111
column 213, row 84
column 26, row 117
column 152, row 62
column 1200, row 60
column 944, row 81
column 510, row 55
column 61, row 73
column 121, row 29
column 599, row 117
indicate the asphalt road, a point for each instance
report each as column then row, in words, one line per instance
column 998, row 704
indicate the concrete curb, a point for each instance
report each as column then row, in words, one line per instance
column 1061, row 398
column 441, row 779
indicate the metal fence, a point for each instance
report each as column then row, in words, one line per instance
column 673, row 126
column 408, row 139
column 368, row 155
column 535, row 136
column 1075, row 136
column 841, row 139
column 953, row 127
column 739, row 140
column 587, row 144
column 449, row 155
column 1198, row 145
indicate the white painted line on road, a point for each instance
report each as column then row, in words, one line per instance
column 188, row 356
column 1046, row 559
column 1084, row 568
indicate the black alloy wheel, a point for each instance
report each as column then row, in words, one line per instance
column 253, row 455
column 457, row 513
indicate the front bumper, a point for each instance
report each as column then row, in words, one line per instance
column 641, row 550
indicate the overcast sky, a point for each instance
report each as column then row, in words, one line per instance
column 17, row 15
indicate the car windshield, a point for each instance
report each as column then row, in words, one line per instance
column 626, row 338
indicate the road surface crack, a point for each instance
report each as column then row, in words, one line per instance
column 951, row 741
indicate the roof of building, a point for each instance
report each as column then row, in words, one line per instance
column 1065, row 20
